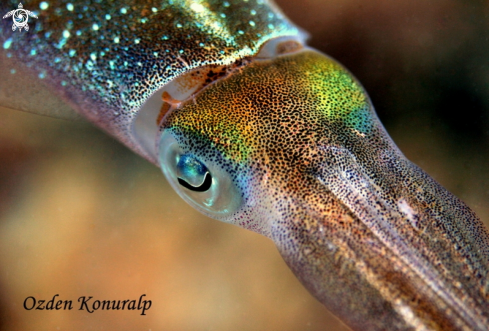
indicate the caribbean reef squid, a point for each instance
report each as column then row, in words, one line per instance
column 254, row 128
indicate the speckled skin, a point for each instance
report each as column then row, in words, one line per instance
column 107, row 57
column 374, row 238
column 378, row 241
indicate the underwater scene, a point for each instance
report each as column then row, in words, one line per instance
column 83, row 216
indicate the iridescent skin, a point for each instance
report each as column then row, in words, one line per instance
column 373, row 237
column 105, row 58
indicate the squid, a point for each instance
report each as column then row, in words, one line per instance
column 253, row 127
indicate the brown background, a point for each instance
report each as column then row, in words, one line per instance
column 80, row 215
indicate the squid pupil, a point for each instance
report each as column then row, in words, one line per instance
column 206, row 184
column 191, row 168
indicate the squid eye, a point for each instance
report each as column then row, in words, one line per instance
column 203, row 184
column 194, row 175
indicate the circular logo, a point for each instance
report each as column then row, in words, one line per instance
column 20, row 17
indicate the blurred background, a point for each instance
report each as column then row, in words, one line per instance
column 80, row 215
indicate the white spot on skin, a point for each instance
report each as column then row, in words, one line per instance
column 410, row 214
column 44, row 5
column 197, row 7
column 410, row 316
column 7, row 43
column 358, row 133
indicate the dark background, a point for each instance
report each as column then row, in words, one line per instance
column 80, row 215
